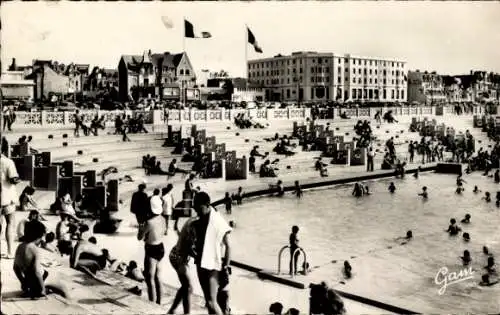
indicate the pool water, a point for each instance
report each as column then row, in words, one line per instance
column 334, row 225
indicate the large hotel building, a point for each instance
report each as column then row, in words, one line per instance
column 312, row 76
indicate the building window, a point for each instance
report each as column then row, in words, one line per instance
column 327, row 69
column 370, row 81
column 187, row 71
column 287, row 93
column 312, row 79
column 375, row 80
column 312, row 93
column 385, row 94
column 384, row 81
column 339, row 81
column 353, row 80
column 353, row 93
column 370, row 71
column 364, row 71
column 314, row 60
column 392, row 93
column 319, row 60
column 360, row 93
column 300, row 70
column 288, row 81
column 397, row 93
column 402, row 94
column 346, row 70
column 392, row 82
column 181, row 72
column 312, row 69
column 370, row 62
column 375, row 71
column 339, row 69
column 364, row 81
column 359, row 71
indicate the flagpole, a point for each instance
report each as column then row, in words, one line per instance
column 183, row 92
column 246, row 55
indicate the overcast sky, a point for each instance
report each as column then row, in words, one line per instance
column 449, row 37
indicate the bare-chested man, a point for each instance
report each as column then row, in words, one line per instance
column 35, row 281
column 152, row 232
column 87, row 256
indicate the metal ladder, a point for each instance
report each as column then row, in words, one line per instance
column 299, row 249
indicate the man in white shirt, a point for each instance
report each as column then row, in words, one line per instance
column 156, row 202
column 168, row 203
column 10, row 178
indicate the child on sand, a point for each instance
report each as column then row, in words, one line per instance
column 298, row 189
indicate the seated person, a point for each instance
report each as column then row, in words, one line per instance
column 358, row 190
column 387, row 162
column 49, row 243
column 133, row 272
column 344, row 115
column 156, row 170
column 266, row 170
column 35, row 281
column 26, row 201
column 64, row 232
column 173, row 169
column 319, row 164
column 24, row 224
column 87, row 256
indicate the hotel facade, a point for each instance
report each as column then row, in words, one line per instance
column 313, row 76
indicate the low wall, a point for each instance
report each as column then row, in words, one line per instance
column 52, row 119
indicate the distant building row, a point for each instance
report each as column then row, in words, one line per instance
column 312, row 76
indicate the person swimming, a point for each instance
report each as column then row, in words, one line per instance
column 466, row 219
column 460, row 189
column 453, row 229
column 366, row 190
column 476, row 190
column 347, row 270
column 466, row 237
column 424, row 193
column 486, row 251
column 460, row 180
column 486, row 281
column 358, row 190
column 406, row 239
column 416, row 173
column 487, row 197
column 466, row 259
column 298, row 189
column 392, row 187
column 490, row 266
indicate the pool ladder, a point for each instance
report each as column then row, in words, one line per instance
column 299, row 249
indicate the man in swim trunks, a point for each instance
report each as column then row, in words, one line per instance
column 27, row 264
column 152, row 232
column 88, row 256
column 10, row 179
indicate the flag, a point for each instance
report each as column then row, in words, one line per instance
column 252, row 41
column 167, row 22
column 189, row 31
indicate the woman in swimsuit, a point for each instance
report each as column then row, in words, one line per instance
column 179, row 258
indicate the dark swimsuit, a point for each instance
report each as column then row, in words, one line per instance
column 155, row 251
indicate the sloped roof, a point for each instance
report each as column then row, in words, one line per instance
column 168, row 60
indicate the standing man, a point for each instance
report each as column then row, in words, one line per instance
column 370, row 157
column 10, row 178
column 294, row 245
column 140, row 204
column 212, row 234
column 78, row 123
column 168, row 204
column 152, row 232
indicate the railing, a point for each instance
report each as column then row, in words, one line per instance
column 51, row 119
column 299, row 249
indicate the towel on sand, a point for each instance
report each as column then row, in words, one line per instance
column 211, row 258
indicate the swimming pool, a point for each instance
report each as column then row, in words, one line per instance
column 336, row 226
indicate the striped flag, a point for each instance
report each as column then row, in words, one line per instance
column 190, row 33
column 252, row 41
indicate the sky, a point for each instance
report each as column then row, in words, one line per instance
column 447, row 37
